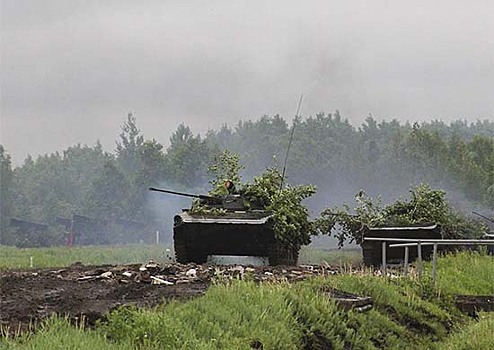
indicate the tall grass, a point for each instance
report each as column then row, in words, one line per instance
column 478, row 335
column 58, row 333
column 231, row 316
column 402, row 303
column 464, row 273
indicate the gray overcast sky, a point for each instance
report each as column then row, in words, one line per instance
column 71, row 70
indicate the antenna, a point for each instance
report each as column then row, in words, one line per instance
column 290, row 141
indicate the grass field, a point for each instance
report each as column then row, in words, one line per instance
column 407, row 314
column 334, row 257
column 11, row 257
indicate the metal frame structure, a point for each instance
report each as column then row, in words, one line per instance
column 410, row 242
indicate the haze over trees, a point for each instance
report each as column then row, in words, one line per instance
column 384, row 158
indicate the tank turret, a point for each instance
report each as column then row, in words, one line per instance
column 229, row 202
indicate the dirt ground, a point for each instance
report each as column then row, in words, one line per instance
column 89, row 292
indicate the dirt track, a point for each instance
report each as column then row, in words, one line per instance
column 89, row 292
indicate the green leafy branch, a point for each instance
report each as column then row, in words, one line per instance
column 426, row 205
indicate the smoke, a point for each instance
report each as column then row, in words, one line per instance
column 164, row 207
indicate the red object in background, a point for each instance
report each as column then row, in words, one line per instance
column 70, row 239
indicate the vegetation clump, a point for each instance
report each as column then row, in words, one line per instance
column 291, row 217
column 425, row 205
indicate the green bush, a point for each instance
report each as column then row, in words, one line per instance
column 425, row 205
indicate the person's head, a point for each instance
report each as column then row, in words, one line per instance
column 230, row 186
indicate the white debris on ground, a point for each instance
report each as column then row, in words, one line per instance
column 173, row 273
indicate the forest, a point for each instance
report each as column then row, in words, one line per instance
column 106, row 192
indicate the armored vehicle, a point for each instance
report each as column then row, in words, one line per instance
column 227, row 225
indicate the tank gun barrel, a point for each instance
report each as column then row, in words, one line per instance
column 183, row 194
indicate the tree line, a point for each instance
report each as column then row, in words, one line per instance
column 384, row 158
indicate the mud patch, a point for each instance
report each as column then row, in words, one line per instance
column 88, row 293
column 29, row 297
